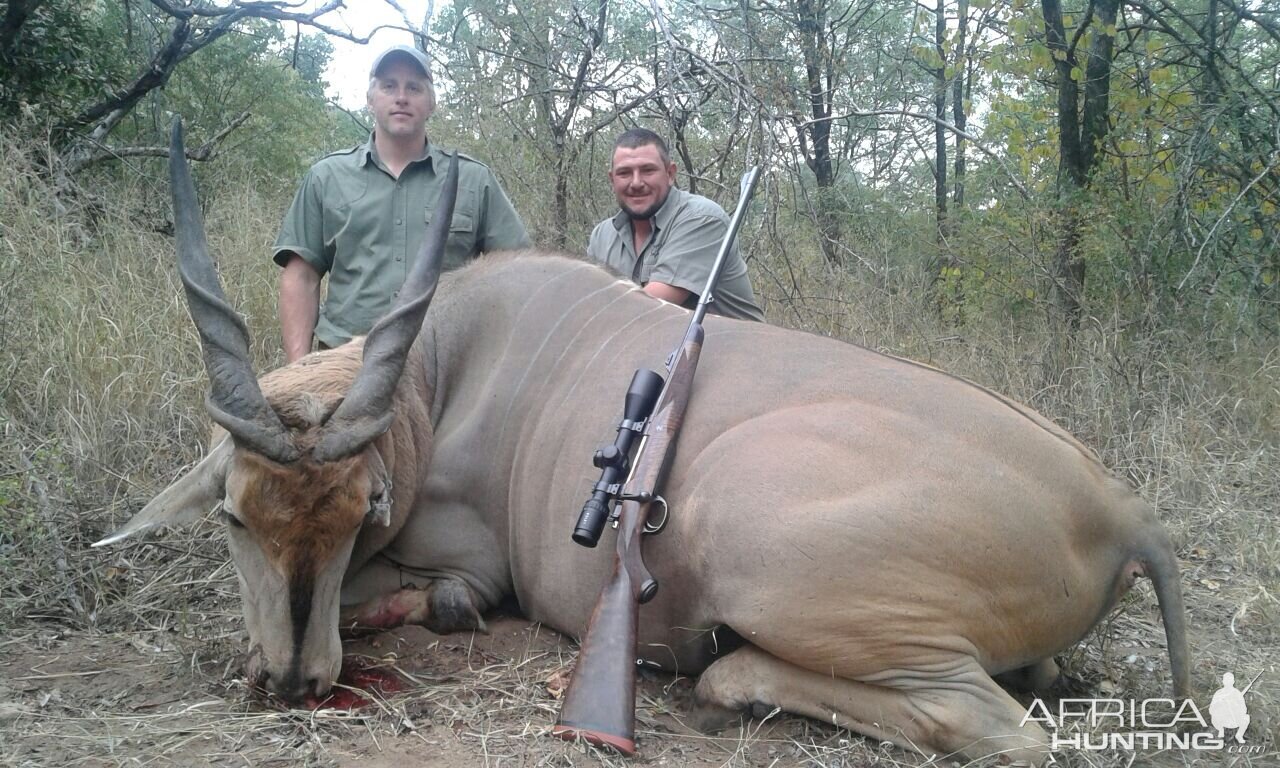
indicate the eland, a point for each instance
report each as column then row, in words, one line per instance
column 854, row 537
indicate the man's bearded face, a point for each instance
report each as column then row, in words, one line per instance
column 641, row 180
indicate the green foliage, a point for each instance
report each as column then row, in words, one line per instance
column 71, row 56
column 513, row 86
column 248, row 70
column 291, row 123
column 1179, row 223
column 61, row 57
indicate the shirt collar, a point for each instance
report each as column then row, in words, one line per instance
column 369, row 154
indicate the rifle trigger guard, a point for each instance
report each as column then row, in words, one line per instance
column 651, row 527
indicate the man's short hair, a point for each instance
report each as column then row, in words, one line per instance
column 634, row 138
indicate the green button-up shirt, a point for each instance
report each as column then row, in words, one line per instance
column 355, row 222
column 687, row 232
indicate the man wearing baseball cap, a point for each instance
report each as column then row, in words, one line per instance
column 361, row 213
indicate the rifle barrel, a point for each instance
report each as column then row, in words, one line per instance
column 747, row 189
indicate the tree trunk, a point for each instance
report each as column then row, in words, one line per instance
column 15, row 15
column 679, row 118
column 960, row 91
column 940, row 87
column 560, row 209
column 1097, row 86
column 559, row 121
column 1081, row 131
column 811, row 21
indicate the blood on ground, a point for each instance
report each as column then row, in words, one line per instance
column 357, row 684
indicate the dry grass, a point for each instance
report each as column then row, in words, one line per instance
column 130, row 656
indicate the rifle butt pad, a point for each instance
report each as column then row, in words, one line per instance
column 625, row 745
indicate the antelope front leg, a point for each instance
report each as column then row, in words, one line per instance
column 442, row 605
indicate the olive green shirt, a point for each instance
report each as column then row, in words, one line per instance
column 687, row 232
column 354, row 221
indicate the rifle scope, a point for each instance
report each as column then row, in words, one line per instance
column 614, row 460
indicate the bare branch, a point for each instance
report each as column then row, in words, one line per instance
column 186, row 38
column 1081, row 28
column 595, row 36
column 355, row 117
column 206, row 151
column 113, row 109
column 1275, row 161
column 976, row 140
column 274, row 11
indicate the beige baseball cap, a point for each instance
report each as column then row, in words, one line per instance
column 407, row 52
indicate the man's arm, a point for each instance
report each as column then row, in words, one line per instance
column 687, row 257
column 299, row 306
column 685, row 261
column 667, row 292
column 301, row 252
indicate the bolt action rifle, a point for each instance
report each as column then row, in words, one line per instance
column 599, row 705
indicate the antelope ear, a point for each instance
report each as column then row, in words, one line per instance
column 184, row 502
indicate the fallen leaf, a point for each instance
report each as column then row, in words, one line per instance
column 558, row 682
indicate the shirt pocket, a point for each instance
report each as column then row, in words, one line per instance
column 462, row 231
column 462, row 223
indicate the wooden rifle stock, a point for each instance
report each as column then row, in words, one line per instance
column 600, row 703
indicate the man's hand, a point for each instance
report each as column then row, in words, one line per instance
column 671, row 293
column 299, row 306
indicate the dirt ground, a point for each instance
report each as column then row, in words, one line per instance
column 473, row 699
column 161, row 698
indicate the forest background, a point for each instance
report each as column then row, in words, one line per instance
column 1072, row 203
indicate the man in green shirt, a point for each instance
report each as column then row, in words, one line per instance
column 666, row 239
column 361, row 214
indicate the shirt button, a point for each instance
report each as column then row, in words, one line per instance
column 397, row 222
column 398, row 258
